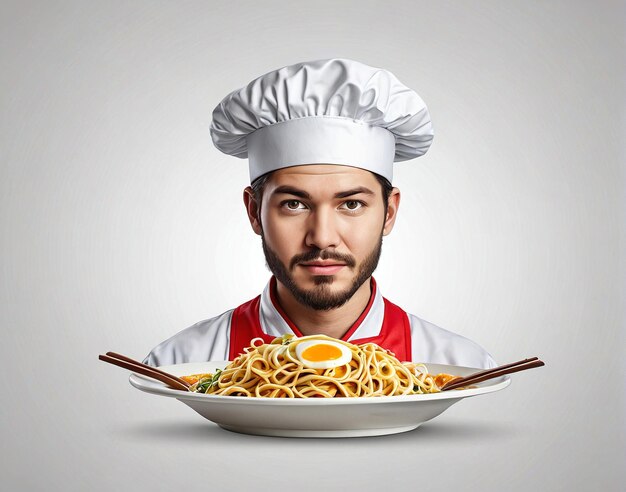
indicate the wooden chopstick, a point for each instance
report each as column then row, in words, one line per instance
column 494, row 372
column 141, row 368
column 489, row 371
column 155, row 369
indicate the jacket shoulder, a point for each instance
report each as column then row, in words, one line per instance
column 206, row 340
column 431, row 343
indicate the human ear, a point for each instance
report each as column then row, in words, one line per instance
column 253, row 209
column 392, row 211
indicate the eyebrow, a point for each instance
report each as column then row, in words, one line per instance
column 290, row 190
column 354, row 191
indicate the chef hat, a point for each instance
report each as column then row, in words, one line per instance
column 334, row 111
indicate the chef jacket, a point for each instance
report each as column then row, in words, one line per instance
column 382, row 322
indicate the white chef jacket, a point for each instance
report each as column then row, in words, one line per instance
column 211, row 339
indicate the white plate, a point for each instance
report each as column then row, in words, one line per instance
column 317, row 417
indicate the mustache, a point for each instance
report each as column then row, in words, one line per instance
column 319, row 254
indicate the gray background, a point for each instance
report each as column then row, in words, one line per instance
column 122, row 224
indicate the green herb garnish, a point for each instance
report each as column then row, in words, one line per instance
column 287, row 338
column 204, row 384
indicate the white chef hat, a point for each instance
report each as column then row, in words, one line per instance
column 335, row 111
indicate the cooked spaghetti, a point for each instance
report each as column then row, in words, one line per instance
column 283, row 369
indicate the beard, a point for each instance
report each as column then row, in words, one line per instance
column 321, row 297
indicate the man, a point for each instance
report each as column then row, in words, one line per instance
column 321, row 138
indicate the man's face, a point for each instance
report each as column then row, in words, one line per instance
column 322, row 228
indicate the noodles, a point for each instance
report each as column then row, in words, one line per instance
column 281, row 370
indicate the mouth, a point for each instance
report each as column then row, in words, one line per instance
column 322, row 267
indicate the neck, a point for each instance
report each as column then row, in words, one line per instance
column 334, row 322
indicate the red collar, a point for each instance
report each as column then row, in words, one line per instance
column 351, row 330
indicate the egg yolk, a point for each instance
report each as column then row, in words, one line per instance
column 321, row 352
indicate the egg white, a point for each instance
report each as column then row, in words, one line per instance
column 345, row 358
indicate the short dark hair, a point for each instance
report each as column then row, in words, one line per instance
column 258, row 185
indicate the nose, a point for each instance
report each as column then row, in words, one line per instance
column 322, row 230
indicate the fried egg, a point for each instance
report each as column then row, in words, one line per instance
column 323, row 354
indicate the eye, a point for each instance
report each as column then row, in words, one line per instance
column 352, row 205
column 293, row 205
